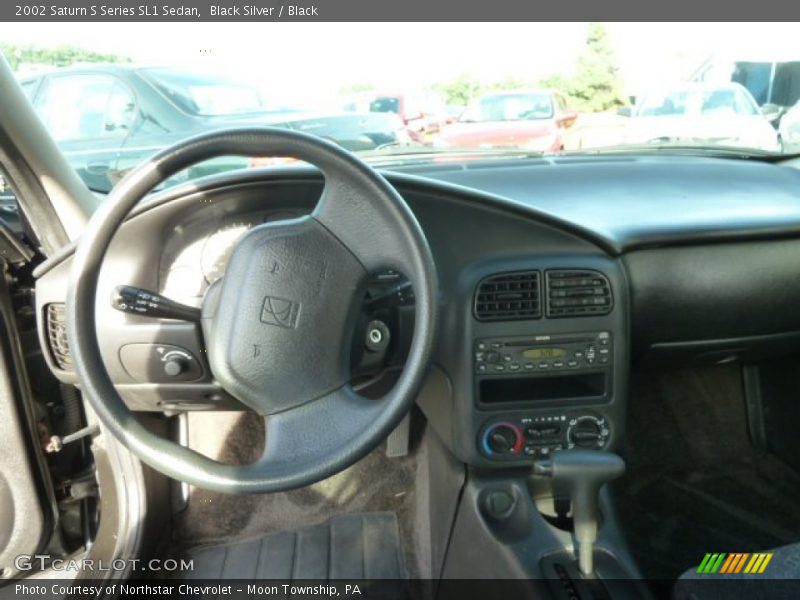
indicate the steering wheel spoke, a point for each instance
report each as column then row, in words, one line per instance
column 337, row 425
column 363, row 226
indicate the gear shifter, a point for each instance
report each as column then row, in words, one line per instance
column 582, row 473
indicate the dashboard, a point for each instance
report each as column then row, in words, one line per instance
column 556, row 276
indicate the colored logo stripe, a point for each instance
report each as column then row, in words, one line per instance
column 711, row 562
column 736, row 562
column 727, row 566
column 765, row 562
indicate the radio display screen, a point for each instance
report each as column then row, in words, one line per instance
column 537, row 353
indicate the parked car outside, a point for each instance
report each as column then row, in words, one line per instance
column 454, row 112
column 424, row 113
column 790, row 130
column 700, row 113
column 527, row 119
column 108, row 118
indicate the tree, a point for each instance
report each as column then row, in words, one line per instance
column 460, row 90
column 596, row 85
column 61, row 56
column 555, row 82
column 357, row 88
column 512, row 83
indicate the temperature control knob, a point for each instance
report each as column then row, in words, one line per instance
column 502, row 438
column 587, row 432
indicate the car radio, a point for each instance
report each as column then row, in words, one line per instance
column 543, row 353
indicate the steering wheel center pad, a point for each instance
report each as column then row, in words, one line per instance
column 278, row 330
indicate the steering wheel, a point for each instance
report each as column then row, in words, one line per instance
column 278, row 326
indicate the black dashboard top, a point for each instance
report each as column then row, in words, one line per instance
column 618, row 202
column 643, row 201
column 645, row 222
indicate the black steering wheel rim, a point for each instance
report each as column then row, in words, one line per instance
column 327, row 431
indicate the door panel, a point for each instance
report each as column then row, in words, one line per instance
column 25, row 520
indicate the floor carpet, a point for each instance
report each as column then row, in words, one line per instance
column 694, row 482
column 376, row 483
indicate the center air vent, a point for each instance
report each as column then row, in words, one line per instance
column 56, row 319
column 508, row 296
column 577, row 294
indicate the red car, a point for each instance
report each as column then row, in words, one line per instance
column 530, row 119
column 423, row 113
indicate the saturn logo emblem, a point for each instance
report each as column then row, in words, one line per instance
column 279, row 312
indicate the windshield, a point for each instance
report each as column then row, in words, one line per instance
column 111, row 97
column 509, row 107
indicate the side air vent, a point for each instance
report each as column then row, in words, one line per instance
column 56, row 322
column 577, row 293
column 508, row 296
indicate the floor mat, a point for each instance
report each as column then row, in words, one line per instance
column 356, row 546
column 694, row 483
column 376, row 483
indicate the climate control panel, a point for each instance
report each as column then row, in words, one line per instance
column 540, row 435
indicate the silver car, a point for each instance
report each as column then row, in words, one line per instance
column 702, row 113
column 790, row 129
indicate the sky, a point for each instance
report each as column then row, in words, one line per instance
column 332, row 56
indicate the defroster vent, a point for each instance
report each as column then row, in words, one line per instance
column 508, row 296
column 56, row 319
column 577, row 293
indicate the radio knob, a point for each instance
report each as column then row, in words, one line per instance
column 587, row 432
column 502, row 439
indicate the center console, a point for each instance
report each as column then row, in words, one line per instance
column 542, row 364
column 568, row 370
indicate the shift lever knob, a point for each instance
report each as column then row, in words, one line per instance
column 582, row 473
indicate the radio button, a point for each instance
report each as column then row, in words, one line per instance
column 572, row 363
column 558, row 364
column 533, row 433
column 492, row 357
column 481, row 368
column 513, row 367
column 590, row 354
column 528, row 366
column 544, row 365
column 481, row 346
